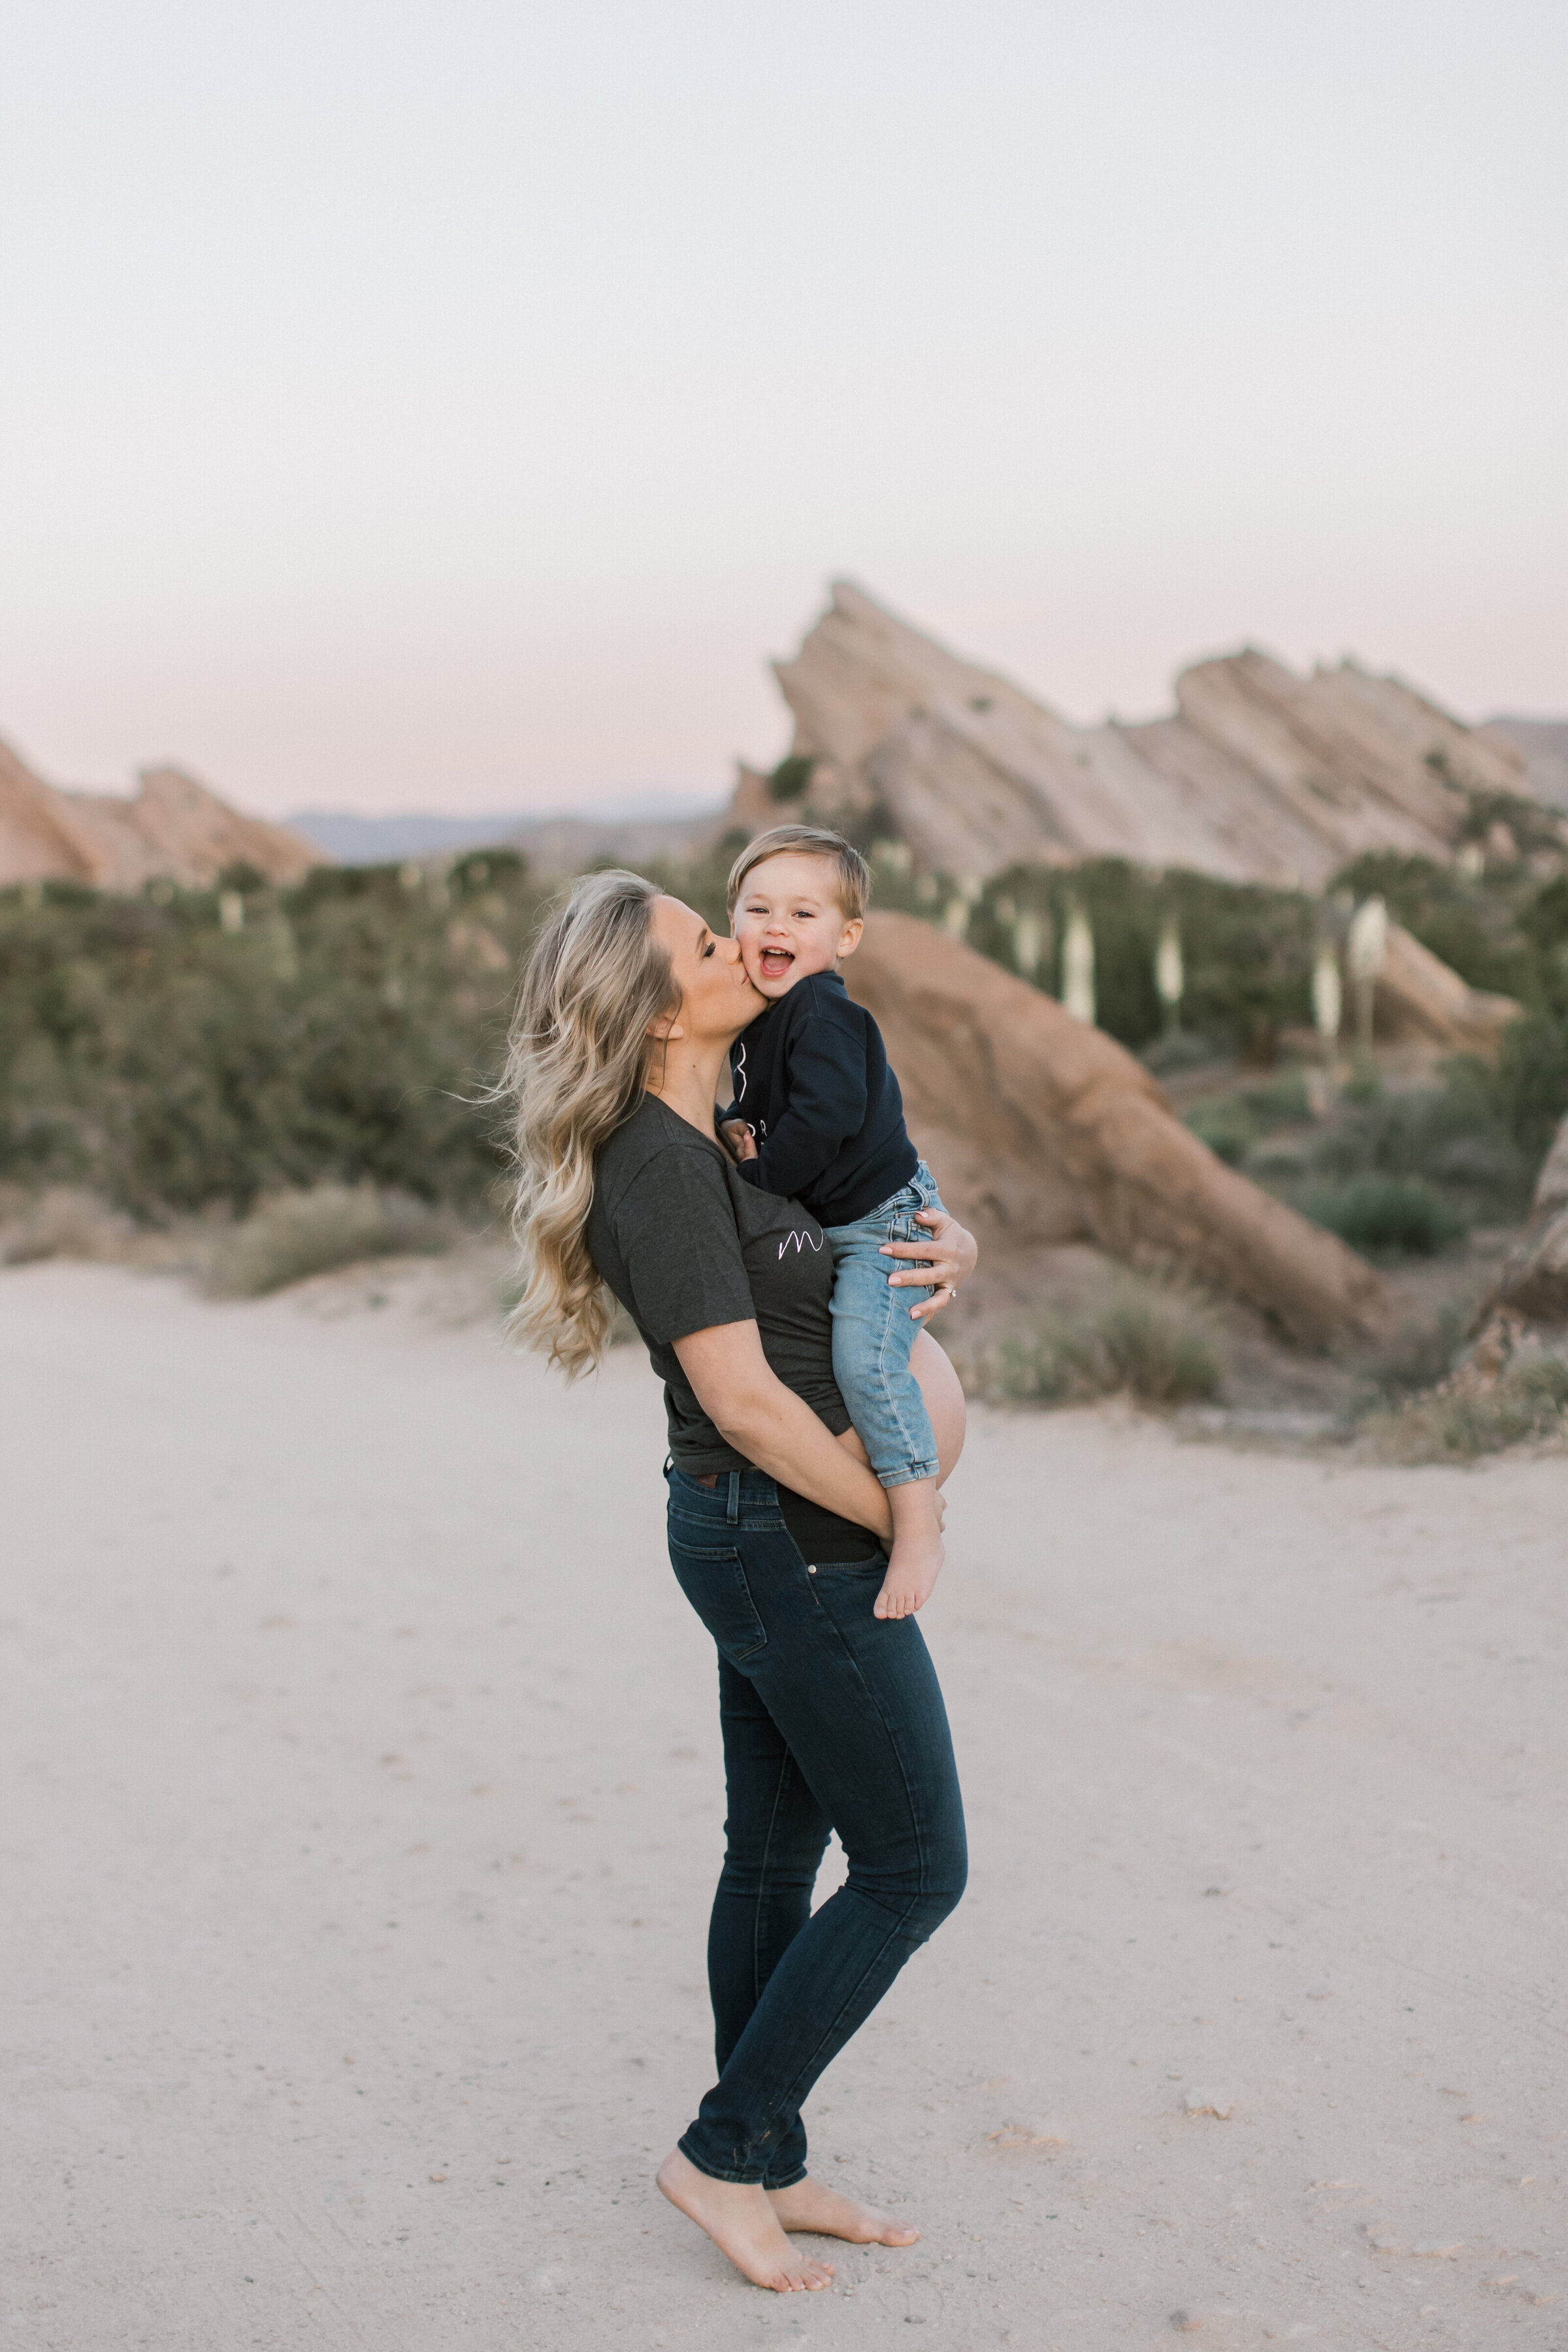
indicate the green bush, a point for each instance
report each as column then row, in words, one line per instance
column 1388, row 1216
column 1454, row 1135
column 1532, row 1082
column 1505, row 930
column 1247, row 951
column 300, row 1234
column 1225, row 1127
column 343, row 1035
column 1179, row 1050
column 1233, row 1125
column 791, row 779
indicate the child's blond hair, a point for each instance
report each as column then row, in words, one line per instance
column 854, row 876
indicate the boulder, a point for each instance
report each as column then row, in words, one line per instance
column 1422, row 1000
column 173, row 827
column 1040, row 1129
column 1259, row 775
column 1534, row 1281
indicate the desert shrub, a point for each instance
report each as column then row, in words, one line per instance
column 1529, row 1402
column 791, row 779
column 1454, row 1136
column 1247, row 951
column 343, row 1035
column 1505, row 930
column 1386, row 1216
column 1180, row 1049
column 1416, row 1355
column 299, row 1233
column 1234, row 1124
column 1225, row 1127
column 1281, row 1102
column 1139, row 1342
column 1531, row 1086
column 61, row 1221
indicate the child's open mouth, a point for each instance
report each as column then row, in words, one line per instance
column 776, row 961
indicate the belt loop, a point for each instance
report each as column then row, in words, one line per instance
column 733, row 1512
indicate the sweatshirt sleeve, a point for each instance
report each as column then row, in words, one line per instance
column 827, row 1101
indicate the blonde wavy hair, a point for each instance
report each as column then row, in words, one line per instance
column 576, row 1062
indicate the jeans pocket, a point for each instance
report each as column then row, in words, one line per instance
column 713, row 1579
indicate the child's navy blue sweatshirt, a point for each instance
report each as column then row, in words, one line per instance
column 812, row 1082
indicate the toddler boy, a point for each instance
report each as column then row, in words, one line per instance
column 818, row 1116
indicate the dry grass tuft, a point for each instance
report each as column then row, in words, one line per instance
column 1139, row 1341
column 296, row 1234
column 1511, row 1389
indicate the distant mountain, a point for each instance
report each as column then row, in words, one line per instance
column 349, row 840
column 1544, row 743
column 641, row 826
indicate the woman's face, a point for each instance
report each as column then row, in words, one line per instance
column 717, row 1000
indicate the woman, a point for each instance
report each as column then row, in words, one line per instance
column 832, row 1717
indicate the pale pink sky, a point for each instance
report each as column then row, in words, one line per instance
column 452, row 406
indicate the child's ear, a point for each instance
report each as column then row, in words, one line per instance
column 849, row 937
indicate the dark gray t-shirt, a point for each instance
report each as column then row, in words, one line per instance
column 684, row 1245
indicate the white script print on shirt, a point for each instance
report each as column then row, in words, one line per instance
column 797, row 1241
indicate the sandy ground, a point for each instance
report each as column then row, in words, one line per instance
column 361, row 1809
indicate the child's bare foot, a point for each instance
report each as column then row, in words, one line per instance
column 912, row 1573
column 915, row 1561
column 809, row 2206
column 739, row 2219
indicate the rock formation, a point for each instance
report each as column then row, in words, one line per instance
column 1259, row 776
column 1423, row 1001
column 1543, row 744
column 1534, row 1282
column 173, row 827
column 1042, row 1129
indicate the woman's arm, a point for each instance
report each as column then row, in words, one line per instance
column 752, row 1409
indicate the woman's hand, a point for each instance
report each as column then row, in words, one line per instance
column 951, row 1256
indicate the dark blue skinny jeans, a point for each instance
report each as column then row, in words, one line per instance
column 832, row 1719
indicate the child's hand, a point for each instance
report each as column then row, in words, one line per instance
column 740, row 1139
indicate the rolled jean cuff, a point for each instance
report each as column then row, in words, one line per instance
column 758, row 2179
column 909, row 1475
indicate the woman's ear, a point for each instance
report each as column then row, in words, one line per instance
column 666, row 1028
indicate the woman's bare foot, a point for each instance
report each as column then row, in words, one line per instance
column 741, row 2222
column 809, row 2206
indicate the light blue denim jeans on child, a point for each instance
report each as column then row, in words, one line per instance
column 872, row 1334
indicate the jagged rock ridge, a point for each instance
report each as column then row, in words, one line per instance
column 1259, row 776
column 174, row 828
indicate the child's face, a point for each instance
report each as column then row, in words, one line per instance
column 789, row 922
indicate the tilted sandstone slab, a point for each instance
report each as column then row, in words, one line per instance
column 36, row 844
column 1534, row 1281
column 1260, row 776
column 1420, row 998
column 1040, row 1129
column 174, row 829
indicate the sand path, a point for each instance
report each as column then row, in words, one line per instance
column 362, row 1808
